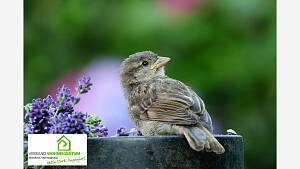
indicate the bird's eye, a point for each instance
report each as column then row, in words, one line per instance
column 145, row 63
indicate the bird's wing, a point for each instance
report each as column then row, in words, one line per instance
column 199, row 108
column 169, row 101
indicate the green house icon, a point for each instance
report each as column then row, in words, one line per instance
column 63, row 144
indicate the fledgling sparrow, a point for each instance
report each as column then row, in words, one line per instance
column 159, row 105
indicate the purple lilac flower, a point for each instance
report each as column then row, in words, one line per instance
column 138, row 133
column 49, row 116
column 39, row 114
column 74, row 100
column 69, row 123
column 63, row 103
column 49, row 101
column 28, row 129
column 96, row 129
column 124, row 132
column 84, row 85
column 121, row 131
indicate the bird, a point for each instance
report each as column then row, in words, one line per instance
column 159, row 105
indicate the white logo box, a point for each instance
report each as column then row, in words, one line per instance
column 57, row 149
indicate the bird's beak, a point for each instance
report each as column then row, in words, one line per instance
column 161, row 61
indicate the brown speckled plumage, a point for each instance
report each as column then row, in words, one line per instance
column 159, row 105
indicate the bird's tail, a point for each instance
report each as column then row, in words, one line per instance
column 200, row 138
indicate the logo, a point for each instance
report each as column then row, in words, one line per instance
column 63, row 144
column 56, row 149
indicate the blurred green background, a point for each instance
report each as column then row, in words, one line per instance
column 224, row 49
